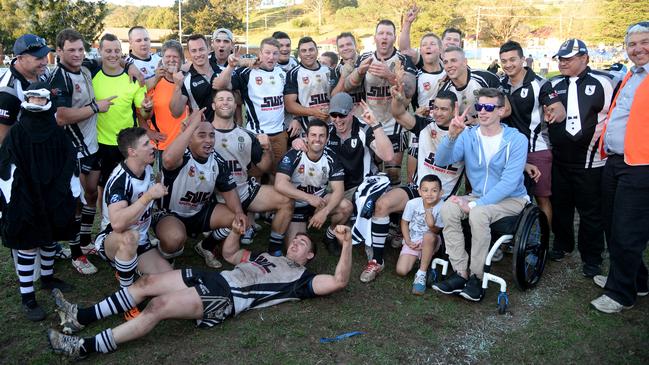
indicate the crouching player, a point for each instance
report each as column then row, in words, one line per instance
column 209, row 297
column 421, row 225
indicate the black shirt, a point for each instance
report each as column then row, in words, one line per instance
column 354, row 152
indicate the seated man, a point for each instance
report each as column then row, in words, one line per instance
column 192, row 170
column 208, row 297
column 126, row 209
column 303, row 176
column 494, row 156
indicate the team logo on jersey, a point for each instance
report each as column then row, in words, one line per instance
column 286, row 159
column 524, row 93
column 192, row 171
column 324, row 170
column 311, row 171
column 590, row 90
column 354, row 141
column 115, row 198
column 300, row 169
column 196, row 83
column 241, row 144
column 77, row 88
column 305, row 80
column 272, row 80
column 427, row 86
column 55, row 92
column 433, row 134
column 259, row 80
column 143, row 69
column 201, row 176
column 224, row 143
column 318, row 78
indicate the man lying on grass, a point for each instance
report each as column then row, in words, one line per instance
column 207, row 296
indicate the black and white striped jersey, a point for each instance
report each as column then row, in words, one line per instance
column 192, row 184
column 263, row 93
column 123, row 185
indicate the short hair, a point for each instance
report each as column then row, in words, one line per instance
column 455, row 49
column 332, row 55
column 447, row 95
column 318, row 123
column 195, row 37
column 69, row 35
column 108, row 37
column 127, row 138
column 512, row 46
column 314, row 247
column 387, row 22
column 491, row 92
column 306, row 39
column 270, row 41
column 641, row 27
column 135, row 28
column 451, row 30
column 430, row 178
column 280, row 35
column 432, row 35
column 215, row 92
column 346, row 35
column 174, row 45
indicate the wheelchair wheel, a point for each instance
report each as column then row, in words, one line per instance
column 530, row 247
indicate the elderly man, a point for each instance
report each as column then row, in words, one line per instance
column 625, row 187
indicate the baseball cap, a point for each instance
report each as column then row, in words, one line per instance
column 572, row 47
column 341, row 103
column 32, row 45
column 227, row 32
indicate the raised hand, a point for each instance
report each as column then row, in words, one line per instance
column 368, row 115
column 343, row 234
column 104, row 104
column 457, row 123
column 364, row 66
column 411, row 14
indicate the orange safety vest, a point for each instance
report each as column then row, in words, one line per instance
column 636, row 145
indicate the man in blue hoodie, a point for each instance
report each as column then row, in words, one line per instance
column 494, row 156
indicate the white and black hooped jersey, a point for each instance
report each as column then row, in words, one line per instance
column 354, row 152
column 477, row 79
column 198, row 90
column 74, row 90
column 146, row 66
column 377, row 90
column 312, row 88
column 192, row 185
column 266, row 280
column 123, row 185
column 430, row 136
column 527, row 101
column 240, row 149
column 263, row 93
column 428, row 84
column 595, row 91
column 358, row 93
column 309, row 176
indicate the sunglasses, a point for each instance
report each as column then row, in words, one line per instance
column 488, row 107
column 337, row 115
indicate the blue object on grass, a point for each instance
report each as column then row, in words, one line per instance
column 341, row 337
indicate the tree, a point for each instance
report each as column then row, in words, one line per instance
column 616, row 16
column 507, row 21
column 318, row 7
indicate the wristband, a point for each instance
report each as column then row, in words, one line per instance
column 377, row 126
column 93, row 105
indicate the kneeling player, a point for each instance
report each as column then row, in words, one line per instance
column 126, row 208
column 208, row 297
column 191, row 171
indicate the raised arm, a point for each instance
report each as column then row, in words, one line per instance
column 231, row 250
column 178, row 100
column 326, row 284
column 398, row 108
column 404, row 37
column 381, row 144
column 172, row 157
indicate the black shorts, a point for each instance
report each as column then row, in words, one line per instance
column 253, row 190
column 198, row 223
column 303, row 214
column 411, row 190
column 109, row 158
column 214, row 292
column 90, row 163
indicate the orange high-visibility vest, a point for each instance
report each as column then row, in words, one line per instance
column 636, row 138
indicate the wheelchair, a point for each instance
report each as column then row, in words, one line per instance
column 527, row 237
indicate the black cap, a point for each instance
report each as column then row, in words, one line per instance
column 32, row 45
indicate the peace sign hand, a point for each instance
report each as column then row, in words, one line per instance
column 368, row 115
column 457, row 123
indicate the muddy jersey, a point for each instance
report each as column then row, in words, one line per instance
column 74, row 90
column 309, row 176
column 342, row 71
column 430, row 136
column 192, row 184
column 312, row 88
column 240, row 149
column 123, row 185
column 377, row 90
column 265, row 280
column 147, row 66
column 428, row 84
column 477, row 79
column 263, row 93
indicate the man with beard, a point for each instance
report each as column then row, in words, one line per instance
column 222, row 46
column 140, row 54
column 346, row 45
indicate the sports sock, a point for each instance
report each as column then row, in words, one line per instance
column 275, row 242
column 380, row 228
column 87, row 219
column 103, row 342
column 126, row 270
column 75, row 249
column 47, row 253
column 217, row 235
column 119, row 302
column 330, row 234
column 25, row 269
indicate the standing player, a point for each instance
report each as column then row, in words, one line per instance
column 286, row 61
column 126, row 208
column 222, row 46
column 304, row 176
column 376, row 71
column 140, row 54
column 241, row 150
column 532, row 99
column 192, row 172
column 346, row 45
column 307, row 90
column 452, row 37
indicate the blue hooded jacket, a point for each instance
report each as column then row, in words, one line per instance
column 502, row 178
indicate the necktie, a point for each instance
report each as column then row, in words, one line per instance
column 573, row 121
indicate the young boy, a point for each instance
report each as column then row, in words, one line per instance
column 421, row 226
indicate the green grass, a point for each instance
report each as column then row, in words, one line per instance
column 550, row 324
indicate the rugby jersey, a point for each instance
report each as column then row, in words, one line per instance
column 312, row 88
column 12, row 85
column 240, row 149
column 476, row 80
column 428, row 84
column 198, row 90
column 354, row 152
column 358, row 93
column 146, row 66
column 263, row 93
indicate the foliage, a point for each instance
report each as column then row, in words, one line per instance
column 617, row 16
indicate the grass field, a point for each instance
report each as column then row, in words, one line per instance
column 550, row 324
